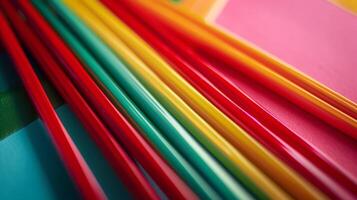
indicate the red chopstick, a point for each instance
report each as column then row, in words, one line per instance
column 70, row 155
column 238, row 106
column 163, row 175
column 121, row 162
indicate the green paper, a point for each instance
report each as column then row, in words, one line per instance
column 30, row 167
column 8, row 76
column 16, row 109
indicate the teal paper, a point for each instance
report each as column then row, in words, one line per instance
column 31, row 169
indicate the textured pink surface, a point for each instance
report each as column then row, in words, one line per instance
column 317, row 38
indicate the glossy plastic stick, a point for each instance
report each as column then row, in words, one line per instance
column 308, row 83
column 227, row 128
column 177, row 161
column 74, row 162
column 124, row 166
column 137, row 147
column 240, row 108
column 180, row 138
column 228, row 55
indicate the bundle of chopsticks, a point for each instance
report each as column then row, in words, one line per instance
column 142, row 78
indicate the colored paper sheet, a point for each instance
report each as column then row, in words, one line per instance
column 31, row 169
column 316, row 37
column 16, row 109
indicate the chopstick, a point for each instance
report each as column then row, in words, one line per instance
column 124, row 166
column 308, row 83
column 137, row 147
column 226, row 54
column 74, row 162
column 177, row 161
column 210, row 168
column 233, row 106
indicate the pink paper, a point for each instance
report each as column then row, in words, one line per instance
column 318, row 39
